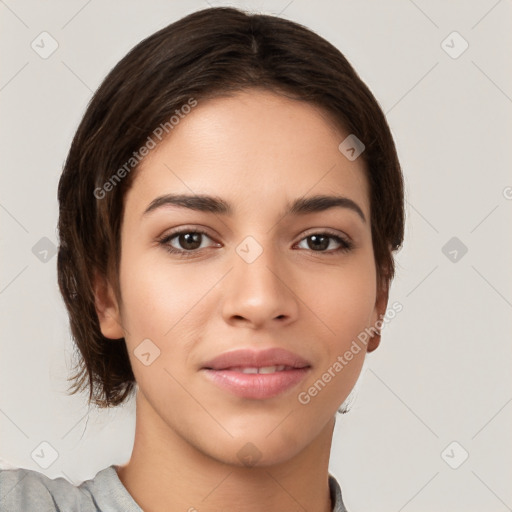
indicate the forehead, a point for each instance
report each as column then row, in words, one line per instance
column 255, row 148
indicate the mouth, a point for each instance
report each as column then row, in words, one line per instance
column 263, row 369
column 256, row 375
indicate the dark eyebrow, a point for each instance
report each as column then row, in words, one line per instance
column 319, row 203
column 212, row 204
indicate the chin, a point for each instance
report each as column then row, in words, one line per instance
column 255, row 455
column 261, row 447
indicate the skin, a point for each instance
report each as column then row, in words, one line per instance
column 256, row 150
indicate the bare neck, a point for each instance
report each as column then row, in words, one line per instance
column 167, row 473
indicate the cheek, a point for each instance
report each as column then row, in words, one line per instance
column 166, row 303
column 156, row 295
column 161, row 303
column 343, row 300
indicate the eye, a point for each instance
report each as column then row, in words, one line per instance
column 190, row 241
column 318, row 242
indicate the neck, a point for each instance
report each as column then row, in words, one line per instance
column 167, row 473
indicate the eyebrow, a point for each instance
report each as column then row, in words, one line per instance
column 217, row 205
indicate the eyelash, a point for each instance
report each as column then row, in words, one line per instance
column 346, row 245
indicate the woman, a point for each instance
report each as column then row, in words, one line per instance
column 229, row 209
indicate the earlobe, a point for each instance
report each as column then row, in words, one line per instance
column 107, row 309
column 374, row 342
column 380, row 309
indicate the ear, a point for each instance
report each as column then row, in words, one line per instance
column 381, row 303
column 107, row 308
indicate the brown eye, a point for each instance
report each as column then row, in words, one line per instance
column 184, row 243
column 320, row 242
column 189, row 241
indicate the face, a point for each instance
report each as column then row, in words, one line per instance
column 240, row 281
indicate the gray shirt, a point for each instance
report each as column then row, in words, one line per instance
column 25, row 490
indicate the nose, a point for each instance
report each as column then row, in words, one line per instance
column 258, row 293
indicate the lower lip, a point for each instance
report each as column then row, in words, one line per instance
column 256, row 385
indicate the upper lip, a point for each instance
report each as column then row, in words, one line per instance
column 256, row 359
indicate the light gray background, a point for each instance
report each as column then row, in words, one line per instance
column 442, row 372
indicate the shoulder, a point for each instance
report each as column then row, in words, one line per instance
column 25, row 489
column 336, row 498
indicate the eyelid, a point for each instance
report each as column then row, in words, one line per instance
column 165, row 238
column 326, row 231
column 197, row 228
column 203, row 230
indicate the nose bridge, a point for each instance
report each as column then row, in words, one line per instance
column 255, row 257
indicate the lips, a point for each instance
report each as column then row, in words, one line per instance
column 243, row 358
column 256, row 374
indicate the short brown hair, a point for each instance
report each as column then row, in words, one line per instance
column 209, row 53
